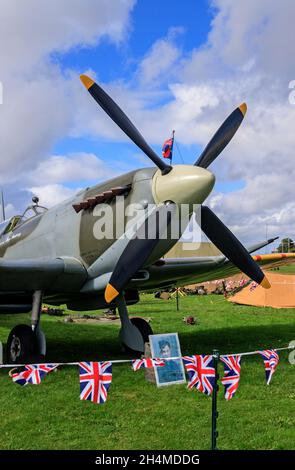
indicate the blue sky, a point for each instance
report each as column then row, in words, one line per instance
column 150, row 21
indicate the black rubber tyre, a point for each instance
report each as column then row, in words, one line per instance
column 143, row 326
column 21, row 345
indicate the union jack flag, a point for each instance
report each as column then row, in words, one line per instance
column 232, row 371
column 32, row 374
column 271, row 360
column 201, row 372
column 95, row 380
column 167, row 148
column 148, row 363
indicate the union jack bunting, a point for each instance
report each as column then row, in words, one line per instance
column 201, row 372
column 95, row 380
column 271, row 360
column 32, row 374
column 232, row 371
column 147, row 363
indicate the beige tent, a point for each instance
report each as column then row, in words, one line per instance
column 280, row 295
column 189, row 249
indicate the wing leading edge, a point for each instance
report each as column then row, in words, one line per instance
column 59, row 274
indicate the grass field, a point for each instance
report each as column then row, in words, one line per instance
column 137, row 415
column 290, row 269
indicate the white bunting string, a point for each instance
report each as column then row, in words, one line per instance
column 255, row 352
column 125, row 361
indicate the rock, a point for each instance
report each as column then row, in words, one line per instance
column 201, row 291
column 189, row 320
column 68, row 320
column 165, row 296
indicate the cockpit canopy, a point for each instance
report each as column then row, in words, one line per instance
column 10, row 224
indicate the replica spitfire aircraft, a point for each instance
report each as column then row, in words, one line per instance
column 53, row 255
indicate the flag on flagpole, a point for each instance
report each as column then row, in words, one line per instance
column 232, row 373
column 271, row 360
column 33, row 374
column 201, row 373
column 147, row 363
column 95, row 380
column 167, row 148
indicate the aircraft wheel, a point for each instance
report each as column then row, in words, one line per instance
column 21, row 345
column 144, row 329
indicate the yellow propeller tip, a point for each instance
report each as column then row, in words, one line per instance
column 110, row 293
column 243, row 108
column 87, row 81
column 265, row 283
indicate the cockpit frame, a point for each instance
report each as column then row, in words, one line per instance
column 9, row 225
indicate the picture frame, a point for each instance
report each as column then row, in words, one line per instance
column 167, row 345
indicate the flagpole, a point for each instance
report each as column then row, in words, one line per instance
column 173, row 132
column 214, row 432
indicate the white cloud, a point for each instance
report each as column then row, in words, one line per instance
column 160, row 59
column 265, row 203
column 32, row 30
column 9, row 211
column 39, row 100
column 248, row 57
column 258, row 32
column 35, row 113
column 249, row 54
column 52, row 194
column 249, row 36
column 71, row 168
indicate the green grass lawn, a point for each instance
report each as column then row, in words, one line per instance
column 137, row 415
column 290, row 269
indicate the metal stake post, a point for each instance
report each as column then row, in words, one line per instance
column 214, row 432
column 177, row 299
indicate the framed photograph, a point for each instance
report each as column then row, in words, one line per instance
column 167, row 345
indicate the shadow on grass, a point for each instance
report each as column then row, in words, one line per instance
column 237, row 339
column 89, row 343
column 68, row 342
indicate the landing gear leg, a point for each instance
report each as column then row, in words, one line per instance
column 134, row 333
column 35, row 321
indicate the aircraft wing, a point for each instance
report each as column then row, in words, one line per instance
column 192, row 270
column 168, row 272
column 185, row 271
column 41, row 274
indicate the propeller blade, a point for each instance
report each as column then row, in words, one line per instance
column 138, row 249
column 231, row 247
column 120, row 118
column 222, row 137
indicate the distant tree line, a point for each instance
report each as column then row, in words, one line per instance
column 286, row 245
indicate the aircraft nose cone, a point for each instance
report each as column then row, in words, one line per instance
column 185, row 184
